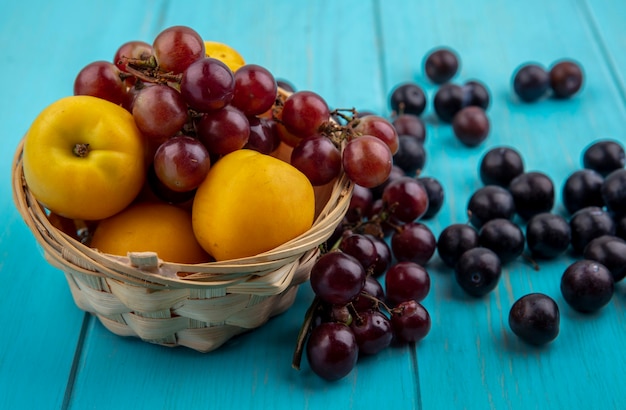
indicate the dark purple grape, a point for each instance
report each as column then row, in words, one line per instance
column 360, row 203
column 535, row 319
column 588, row 224
column 255, row 89
column 503, row 237
column 396, row 172
column 408, row 98
column 441, row 65
column 413, row 242
column 478, row 271
column 533, row 193
column 454, row 240
column 406, row 199
column 411, row 155
column 500, row 165
column 384, row 256
column 207, row 85
column 337, row 278
column 471, row 126
column 361, row 247
column 449, row 100
column 566, row 79
column 318, row 158
column 610, row 251
column 490, row 202
column 285, row 85
column 405, row 281
column 531, row 82
column 372, row 331
column 604, row 156
column 587, row 285
column 435, row 193
column 476, row 93
column 262, row 138
column 620, row 227
column 614, row 191
column 410, row 322
column 581, row 189
column 304, row 112
column 409, row 124
column 372, row 289
column 224, row 131
column 547, row 235
column 332, row 350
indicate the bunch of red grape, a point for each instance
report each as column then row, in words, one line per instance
column 193, row 109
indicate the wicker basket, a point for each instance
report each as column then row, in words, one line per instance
column 200, row 306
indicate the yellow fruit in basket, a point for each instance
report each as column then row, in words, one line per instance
column 84, row 158
column 250, row 203
column 225, row 53
column 150, row 227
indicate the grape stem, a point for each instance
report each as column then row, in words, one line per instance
column 303, row 334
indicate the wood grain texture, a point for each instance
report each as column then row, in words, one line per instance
column 352, row 53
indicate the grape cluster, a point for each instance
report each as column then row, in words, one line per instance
column 595, row 199
column 193, row 109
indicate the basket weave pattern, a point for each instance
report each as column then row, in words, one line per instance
column 199, row 306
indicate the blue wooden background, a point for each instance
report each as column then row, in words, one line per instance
column 352, row 52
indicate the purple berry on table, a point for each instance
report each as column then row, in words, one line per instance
column 408, row 124
column 454, row 240
column 332, row 350
column 531, row 82
column 588, row 224
column 410, row 322
column 604, row 156
column 587, row 285
column 407, row 98
column 566, row 79
column 362, row 248
column 610, row 251
column 500, row 165
column 548, row 235
column 503, row 237
column 406, row 199
column 535, row 319
column 620, row 227
column 441, row 65
column 411, row 155
column 384, row 256
column 405, row 281
column 413, row 242
column 476, row 93
column 435, row 193
column 614, row 192
column 533, row 193
column 369, row 297
column 490, row 202
column 471, row 126
column 478, row 271
column 448, row 101
column 337, row 278
column 372, row 331
column 581, row 189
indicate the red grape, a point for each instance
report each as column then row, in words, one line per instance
column 372, row 331
column 255, row 89
column 410, row 321
column 176, row 47
column 224, row 130
column 332, row 350
column 367, row 161
column 207, row 85
column 304, row 112
column 379, row 128
column 317, row 158
column 262, row 137
column 159, row 111
column 405, row 281
column 406, row 198
column 337, row 277
column 133, row 50
column 181, row 163
column 101, row 79
column 413, row 242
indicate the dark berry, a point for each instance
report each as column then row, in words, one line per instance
column 396, row 172
column 411, row 155
column 476, row 93
column 360, row 203
column 547, row 235
column 614, row 191
column 285, row 85
column 587, row 285
column 454, row 240
column 406, row 199
column 533, row 193
column 408, row 98
column 361, row 247
column 566, row 78
column 337, row 277
column 448, row 101
column 588, row 224
column 500, row 165
column 620, row 227
column 478, row 271
column 369, row 297
column 408, row 124
column 435, row 195
column 372, row 331
column 531, row 82
column 582, row 188
column 410, row 321
column 332, row 350
column 490, row 202
column 503, row 237
column 604, row 156
column 471, row 126
column 413, row 242
column 535, row 319
column 441, row 65
column 383, row 251
column 610, row 251
column 405, row 281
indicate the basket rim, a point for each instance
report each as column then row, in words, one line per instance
column 63, row 251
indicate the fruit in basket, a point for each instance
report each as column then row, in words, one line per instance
column 150, row 227
column 225, row 54
column 250, row 203
column 98, row 157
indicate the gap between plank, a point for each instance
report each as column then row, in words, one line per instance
column 414, row 364
column 604, row 50
column 378, row 29
column 71, row 380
